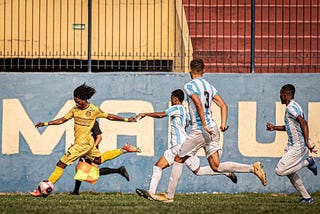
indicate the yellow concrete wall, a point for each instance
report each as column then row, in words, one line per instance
column 42, row 29
column 121, row 30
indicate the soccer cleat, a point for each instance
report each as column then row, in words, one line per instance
column 306, row 200
column 129, row 148
column 124, row 173
column 232, row 177
column 162, row 198
column 312, row 166
column 35, row 193
column 153, row 197
column 145, row 194
column 258, row 171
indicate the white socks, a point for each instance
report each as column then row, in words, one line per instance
column 297, row 183
column 206, row 170
column 176, row 172
column 234, row 167
column 155, row 178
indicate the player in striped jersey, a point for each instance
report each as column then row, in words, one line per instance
column 179, row 119
column 204, row 132
column 298, row 145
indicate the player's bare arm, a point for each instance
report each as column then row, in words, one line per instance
column 152, row 114
column 114, row 117
column 217, row 99
column 54, row 122
column 271, row 127
column 305, row 129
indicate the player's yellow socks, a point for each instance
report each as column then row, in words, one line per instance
column 109, row 155
column 56, row 175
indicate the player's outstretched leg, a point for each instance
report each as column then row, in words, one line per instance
column 121, row 170
column 232, row 177
column 124, row 172
column 129, row 148
column 312, row 166
column 259, row 172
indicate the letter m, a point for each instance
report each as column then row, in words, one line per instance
column 15, row 121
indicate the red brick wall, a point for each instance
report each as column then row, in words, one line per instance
column 287, row 35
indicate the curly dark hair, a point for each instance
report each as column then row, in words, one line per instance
column 84, row 92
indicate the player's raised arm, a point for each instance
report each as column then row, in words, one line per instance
column 271, row 127
column 114, row 117
column 152, row 114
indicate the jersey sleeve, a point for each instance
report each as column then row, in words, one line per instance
column 214, row 91
column 101, row 114
column 190, row 89
column 70, row 114
column 293, row 112
column 172, row 111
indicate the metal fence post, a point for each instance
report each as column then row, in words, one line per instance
column 89, row 34
column 253, row 5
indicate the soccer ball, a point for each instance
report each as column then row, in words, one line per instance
column 45, row 187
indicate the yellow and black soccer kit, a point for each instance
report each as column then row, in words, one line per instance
column 84, row 120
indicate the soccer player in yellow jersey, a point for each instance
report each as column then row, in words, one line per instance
column 84, row 115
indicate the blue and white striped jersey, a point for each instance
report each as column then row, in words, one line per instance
column 294, row 131
column 178, row 121
column 206, row 92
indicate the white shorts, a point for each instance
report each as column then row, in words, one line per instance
column 292, row 157
column 200, row 139
column 192, row 163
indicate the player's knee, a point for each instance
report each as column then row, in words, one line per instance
column 62, row 165
column 178, row 159
column 214, row 164
column 97, row 160
column 196, row 171
column 215, row 168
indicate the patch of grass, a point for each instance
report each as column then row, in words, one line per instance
column 89, row 202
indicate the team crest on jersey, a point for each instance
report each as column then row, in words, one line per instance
column 88, row 113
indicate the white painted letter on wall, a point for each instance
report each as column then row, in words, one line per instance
column 314, row 125
column 143, row 129
column 15, row 120
column 248, row 145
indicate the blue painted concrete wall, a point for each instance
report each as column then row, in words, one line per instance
column 42, row 95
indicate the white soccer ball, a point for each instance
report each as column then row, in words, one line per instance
column 45, row 187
